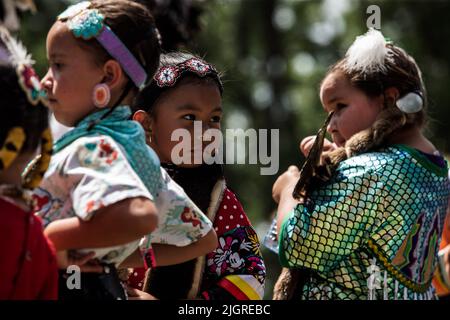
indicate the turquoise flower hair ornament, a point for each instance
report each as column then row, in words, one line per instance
column 86, row 23
column 369, row 54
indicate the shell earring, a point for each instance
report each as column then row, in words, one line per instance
column 101, row 95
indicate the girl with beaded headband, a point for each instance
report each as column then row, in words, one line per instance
column 362, row 219
column 27, row 259
column 105, row 189
column 188, row 89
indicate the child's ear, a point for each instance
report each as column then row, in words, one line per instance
column 146, row 122
column 391, row 95
column 114, row 75
column 143, row 118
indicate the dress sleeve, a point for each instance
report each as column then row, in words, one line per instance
column 336, row 220
column 100, row 175
column 180, row 221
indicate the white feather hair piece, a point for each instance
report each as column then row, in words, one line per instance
column 368, row 53
column 18, row 53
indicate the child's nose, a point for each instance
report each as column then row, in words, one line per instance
column 332, row 125
column 46, row 82
column 205, row 126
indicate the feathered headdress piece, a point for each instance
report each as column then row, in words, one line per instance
column 368, row 53
column 12, row 52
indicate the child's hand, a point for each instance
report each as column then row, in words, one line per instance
column 307, row 143
column 135, row 294
column 285, row 183
column 85, row 262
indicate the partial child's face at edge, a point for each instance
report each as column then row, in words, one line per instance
column 179, row 108
column 354, row 111
column 71, row 76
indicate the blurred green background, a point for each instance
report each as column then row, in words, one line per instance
column 274, row 53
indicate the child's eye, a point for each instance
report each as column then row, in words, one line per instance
column 340, row 106
column 56, row 65
column 216, row 119
column 189, row 117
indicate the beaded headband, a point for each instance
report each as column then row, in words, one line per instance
column 168, row 75
column 87, row 23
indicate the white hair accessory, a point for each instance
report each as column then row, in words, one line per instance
column 13, row 52
column 411, row 102
column 17, row 53
column 368, row 53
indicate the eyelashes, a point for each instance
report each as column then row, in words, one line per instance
column 191, row 117
column 340, row 106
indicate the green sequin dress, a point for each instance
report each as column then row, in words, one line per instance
column 372, row 231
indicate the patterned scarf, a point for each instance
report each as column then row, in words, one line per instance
column 129, row 134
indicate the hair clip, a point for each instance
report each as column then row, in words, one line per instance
column 411, row 102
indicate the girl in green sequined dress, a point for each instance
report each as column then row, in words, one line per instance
column 363, row 217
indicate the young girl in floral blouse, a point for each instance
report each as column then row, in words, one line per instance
column 101, row 191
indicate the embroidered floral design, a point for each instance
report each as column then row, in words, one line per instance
column 100, row 155
column 198, row 66
column 167, row 76
column 108, row 152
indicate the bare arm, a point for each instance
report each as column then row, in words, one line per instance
column 116, row 224
column 282, row 194
column 166, row 255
